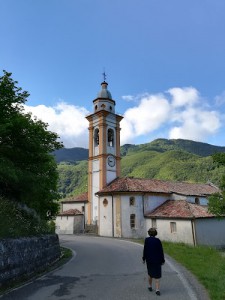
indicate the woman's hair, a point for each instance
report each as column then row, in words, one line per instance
column 152, row 232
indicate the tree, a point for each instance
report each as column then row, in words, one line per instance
column 28, row 171
column 217, row 201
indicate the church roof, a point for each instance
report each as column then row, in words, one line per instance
column 80, row 198
column 70, row 212
column 127, row 184
column 180, row 209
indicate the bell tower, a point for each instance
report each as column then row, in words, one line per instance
column 104, row 148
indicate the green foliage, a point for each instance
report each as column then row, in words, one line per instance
column 28, row 173
column 160, row 159
column 20, row 221
column 73, row 178
column 217, row 201
column 206, row 263
column 164, row 145
column 171, row 165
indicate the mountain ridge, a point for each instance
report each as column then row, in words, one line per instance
column 72, row 155
column 176, row 160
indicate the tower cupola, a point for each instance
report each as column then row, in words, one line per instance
column 104, row 100
column 104, row 93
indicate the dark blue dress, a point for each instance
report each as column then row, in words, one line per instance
column 154, row 256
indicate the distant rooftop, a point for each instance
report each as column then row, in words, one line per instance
column 70, row 212
column 80, row 198
column 180, row 209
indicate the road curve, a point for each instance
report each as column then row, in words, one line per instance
column 107, row 269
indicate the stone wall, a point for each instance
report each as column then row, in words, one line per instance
column 24, row 257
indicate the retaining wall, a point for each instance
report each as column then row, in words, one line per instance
column 24, row 257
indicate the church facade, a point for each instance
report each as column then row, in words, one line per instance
column 128, row 207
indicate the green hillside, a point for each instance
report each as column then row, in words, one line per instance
column 163, row 145
column 71, row 155
column 178, row 160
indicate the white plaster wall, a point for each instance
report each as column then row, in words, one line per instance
column 178, row 197
column 111, row 175
column 105, row 216
column 112, row 150
column 210, row 232
column 64, row 224
column 126, row 211
column 95, row 189
column 191, row 199
column 183, row 234
column 153, row 201
column 67, row 206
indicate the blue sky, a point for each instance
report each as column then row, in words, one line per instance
column 164, row 60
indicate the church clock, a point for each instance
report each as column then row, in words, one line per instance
column 111, row 161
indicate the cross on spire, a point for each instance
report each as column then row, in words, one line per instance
column 104, row 76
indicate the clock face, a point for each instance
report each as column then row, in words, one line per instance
column 111, row 161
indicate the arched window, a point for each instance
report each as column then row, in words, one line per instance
column 110, row 138
column 96, row 107
column 96, row 137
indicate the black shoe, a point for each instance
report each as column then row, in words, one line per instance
column 150, row 289
column 157, row 293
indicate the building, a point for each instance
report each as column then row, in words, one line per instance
column 128, row 207
column 73, row 215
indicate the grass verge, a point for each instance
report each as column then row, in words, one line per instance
column 206, row 263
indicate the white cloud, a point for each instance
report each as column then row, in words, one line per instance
column 181, row 116
column 68, row 121
column 177, row 113
column 148, row 116
column 220, row 99
column 184, row 96
column 196, row 125
column 128, row 98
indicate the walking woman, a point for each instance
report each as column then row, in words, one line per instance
column 154, row 257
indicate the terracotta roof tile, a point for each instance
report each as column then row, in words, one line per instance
column 80, row 198
column 180, row 209
column 121, row 185
column 70, row 212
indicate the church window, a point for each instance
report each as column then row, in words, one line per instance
column 96, row 107
column 173, row 227
column 110, row 138
column 82, row 208
column 103, row 106
column 96, row 137
column 154, row 223
column 132, row 221
column 110, row 107
column 132, row 201
column 197, row 201
column 105, row 202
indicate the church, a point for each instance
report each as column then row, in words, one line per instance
column 128, row 207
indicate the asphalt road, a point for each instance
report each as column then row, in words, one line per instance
column 107, row 269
